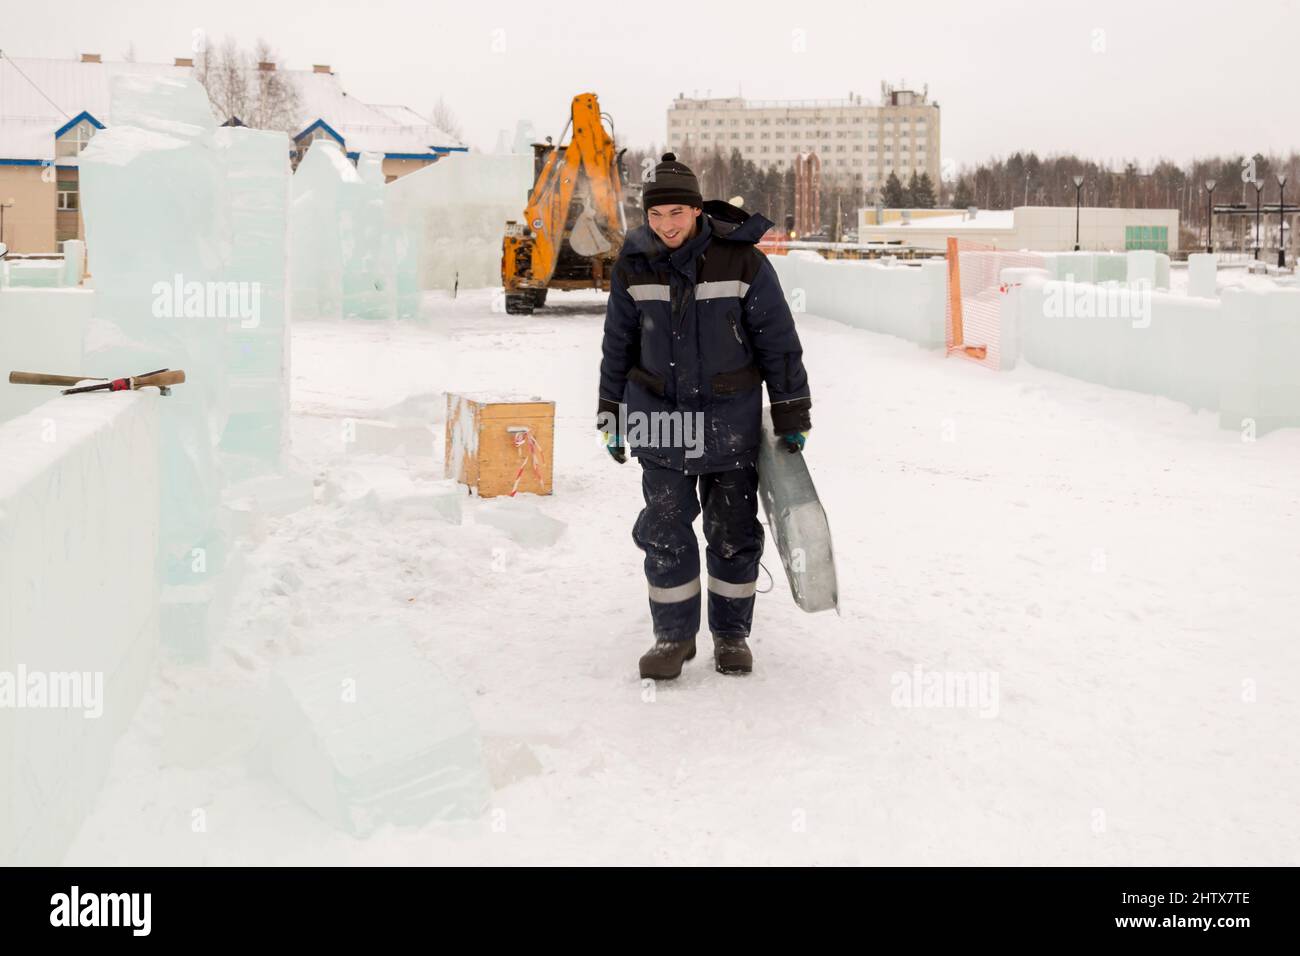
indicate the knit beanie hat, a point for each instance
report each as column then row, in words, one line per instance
column 673, row 182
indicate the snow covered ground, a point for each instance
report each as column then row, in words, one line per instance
column 1123, row 568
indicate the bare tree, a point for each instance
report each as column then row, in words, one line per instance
column 263, row 99
column 443, row 118
column 276, row 105
column 202, row 50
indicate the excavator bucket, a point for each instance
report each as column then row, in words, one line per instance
column 585, row 237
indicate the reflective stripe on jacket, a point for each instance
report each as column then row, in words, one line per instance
column 694, row 332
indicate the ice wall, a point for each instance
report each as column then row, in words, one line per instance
column 451, row 216
column 157, row 230
column 185, row 227
column 368, row 279
column 1260, row 390
column 78, row 595
column 257, row 177
column 41, row 330
column 343, row 258
column 1230, row 355
column 315, row 227
column 907, row 301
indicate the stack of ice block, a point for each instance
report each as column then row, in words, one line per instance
column 342, row 246
column 452, row 214
column 368, row 286
column 157, row 227
column 257, row 339
column 1202, row 275
column 186, row 229
column 1261, row 337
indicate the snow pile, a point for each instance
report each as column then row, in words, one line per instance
column 78, row 607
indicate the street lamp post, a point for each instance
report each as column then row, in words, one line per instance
column 1209, row 212
column 1281, row 220
column 1078, row 202
column 1259, row 191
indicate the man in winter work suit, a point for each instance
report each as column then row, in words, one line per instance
column 696, row 323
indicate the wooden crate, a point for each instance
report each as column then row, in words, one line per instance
column 489, row 439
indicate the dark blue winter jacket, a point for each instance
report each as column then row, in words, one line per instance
column 695, row 332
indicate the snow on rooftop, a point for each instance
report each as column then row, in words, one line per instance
column 28, row 120
column 984, row 219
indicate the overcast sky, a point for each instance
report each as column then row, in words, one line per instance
column 1110, row 79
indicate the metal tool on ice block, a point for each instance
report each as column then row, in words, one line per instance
column 162, row 379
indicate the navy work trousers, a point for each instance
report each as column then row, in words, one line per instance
column 734, row 537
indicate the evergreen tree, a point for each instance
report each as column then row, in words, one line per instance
column 922, row 191
column 963, row 197
column 741, row 183
column 894, row 195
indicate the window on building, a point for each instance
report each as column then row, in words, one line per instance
column 74, row 140
column 69, row 196
column 1146, row 237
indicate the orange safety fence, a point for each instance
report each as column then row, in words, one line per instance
column 774, row 242
column 975, row 296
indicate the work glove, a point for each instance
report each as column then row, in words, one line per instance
column 614, row 445
column 794, row 442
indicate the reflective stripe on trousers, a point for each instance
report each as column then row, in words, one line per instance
column 664, row 532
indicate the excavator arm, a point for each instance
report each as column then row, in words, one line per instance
column 573, row 224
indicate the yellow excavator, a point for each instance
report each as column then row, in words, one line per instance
column 573, row 226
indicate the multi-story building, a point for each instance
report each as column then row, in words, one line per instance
column 852, row 137
column 50, row 109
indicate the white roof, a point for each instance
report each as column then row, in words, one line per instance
column 984, row 219
column 29, row 120
column 363, row 126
